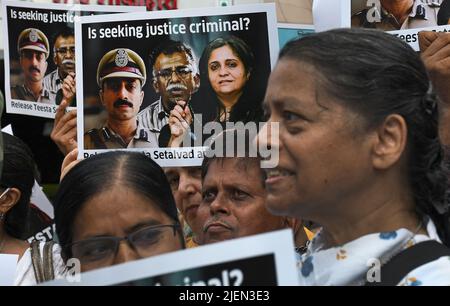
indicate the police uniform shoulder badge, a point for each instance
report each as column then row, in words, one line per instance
column 121, row 59
column 33, row 36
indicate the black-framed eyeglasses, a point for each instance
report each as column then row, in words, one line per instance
column 181, row 71
column 65, row 50
column 144, row 241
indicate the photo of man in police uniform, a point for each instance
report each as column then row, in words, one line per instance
column 33, row 49
column 121, row 75
column 392, row 15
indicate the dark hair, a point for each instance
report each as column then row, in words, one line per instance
column 169, row 47
column 227, row 145
column 64, row 32
column 244, row 109
column 19, row 171
column 240, row 48
column 101, row 173
column 444, row 13
column 377, row 74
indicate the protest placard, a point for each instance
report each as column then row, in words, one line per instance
column 260, row 260
column 39, row 53
column 8, row 264
column 144, row 66
column 402, row 21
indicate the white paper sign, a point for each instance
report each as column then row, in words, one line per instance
column 8, row 264
column 266, row 259
column 148, row 114
column 331, row 14
column 33, row 87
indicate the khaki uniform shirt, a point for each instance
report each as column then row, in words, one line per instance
column 106, row 138
column 423, row 15
column 20, row 92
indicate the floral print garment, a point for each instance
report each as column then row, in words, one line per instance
column 349, row 264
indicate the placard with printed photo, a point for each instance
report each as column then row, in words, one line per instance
column 260, row 260
column 420, row 15
column 39, row 53
column 164, row 83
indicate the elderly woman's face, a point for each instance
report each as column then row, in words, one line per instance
column 323, row 158
column 226, row 72
column 118, row 213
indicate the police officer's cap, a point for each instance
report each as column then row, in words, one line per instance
column 121, row 63
column 33, row 39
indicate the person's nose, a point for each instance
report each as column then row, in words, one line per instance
column 268, row 143
column 123, row 92
column 223, row 71
column 220, row 205
column 125, row 253
column 174, row 76
column 69, row 54
column 188, row 186
column 35, row 60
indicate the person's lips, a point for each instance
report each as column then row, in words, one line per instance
column 225, row 82
column 192, row 208
column 216, row 226
column 276, row 175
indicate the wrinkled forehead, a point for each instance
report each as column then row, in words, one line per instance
column 238, row 167
column 177, row 59
column 68, row 41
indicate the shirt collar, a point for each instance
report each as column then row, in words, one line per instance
column 348, row 264
column 142, row 133
column 44, row 92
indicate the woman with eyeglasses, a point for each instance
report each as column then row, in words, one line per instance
column 113, row 208
column 226, row 70
column 18, row 218
column 360, row 154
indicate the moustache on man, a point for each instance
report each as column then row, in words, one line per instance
column 34, row 68
column 68, row 62
column 176, row 86
column 121, row 102
column 215, row 220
